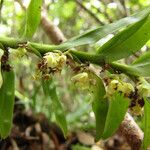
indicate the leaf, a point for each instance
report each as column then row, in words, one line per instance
column 50, row 90
column 1, row 79
column 33, row 17
column 140, row 67
column 118, row 107
column 100, row 104
column 146, row 141
column 127, row 41
column 94, row 35
column 6, row 103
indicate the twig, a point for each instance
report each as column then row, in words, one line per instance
column 90, row 12
column 104, row 13
column 131, row 131
column 123, row 3
column 52, row 31
column 122, row 8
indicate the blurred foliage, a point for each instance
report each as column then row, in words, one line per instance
column 73, row 17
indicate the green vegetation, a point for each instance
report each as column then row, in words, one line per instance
column 102, row 69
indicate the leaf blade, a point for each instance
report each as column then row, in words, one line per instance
column 50, row 90
column 94, row 35
column 99, row 105
column 33, row 16
column 127, row 41
column 7, row 94
column 146, row 141
column 117, row 109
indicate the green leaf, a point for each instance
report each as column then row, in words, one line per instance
column 118, row 107
column 94, row 35
column 146, row 141
column 140, row 67
column 127, row 41
column 100, row 104
column 1, row 79
column 6, row 103
column 33, row 17
column 126, row 69
column 50, row 90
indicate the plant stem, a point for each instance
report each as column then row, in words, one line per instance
column 16, row 43
column 128, row 70
column 44, row 48
column 40, row 49
column 11, row 42
column 86, row 57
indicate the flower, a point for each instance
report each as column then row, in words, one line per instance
column 119, row 86
column 55, row 60
column 137, row 109
column 81, row 80
column 51, row 63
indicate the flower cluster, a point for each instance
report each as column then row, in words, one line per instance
column 51, row 63
column 81, row 80
column 136, row 106
column 119, row 86
column 142, row 91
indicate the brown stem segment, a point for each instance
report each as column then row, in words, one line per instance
column 131, row 132
column 52, row 31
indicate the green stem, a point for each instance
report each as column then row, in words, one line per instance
column 39, row 48
column 128, row 70
column 44, row 48
column 11, row 42
column 86, row 57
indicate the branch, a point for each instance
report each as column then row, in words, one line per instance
column 89, row 12
column 121, row 7
column 131, row 131
column 104, row 13
column 52, row 31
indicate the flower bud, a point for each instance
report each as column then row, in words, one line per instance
column 81, row 80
